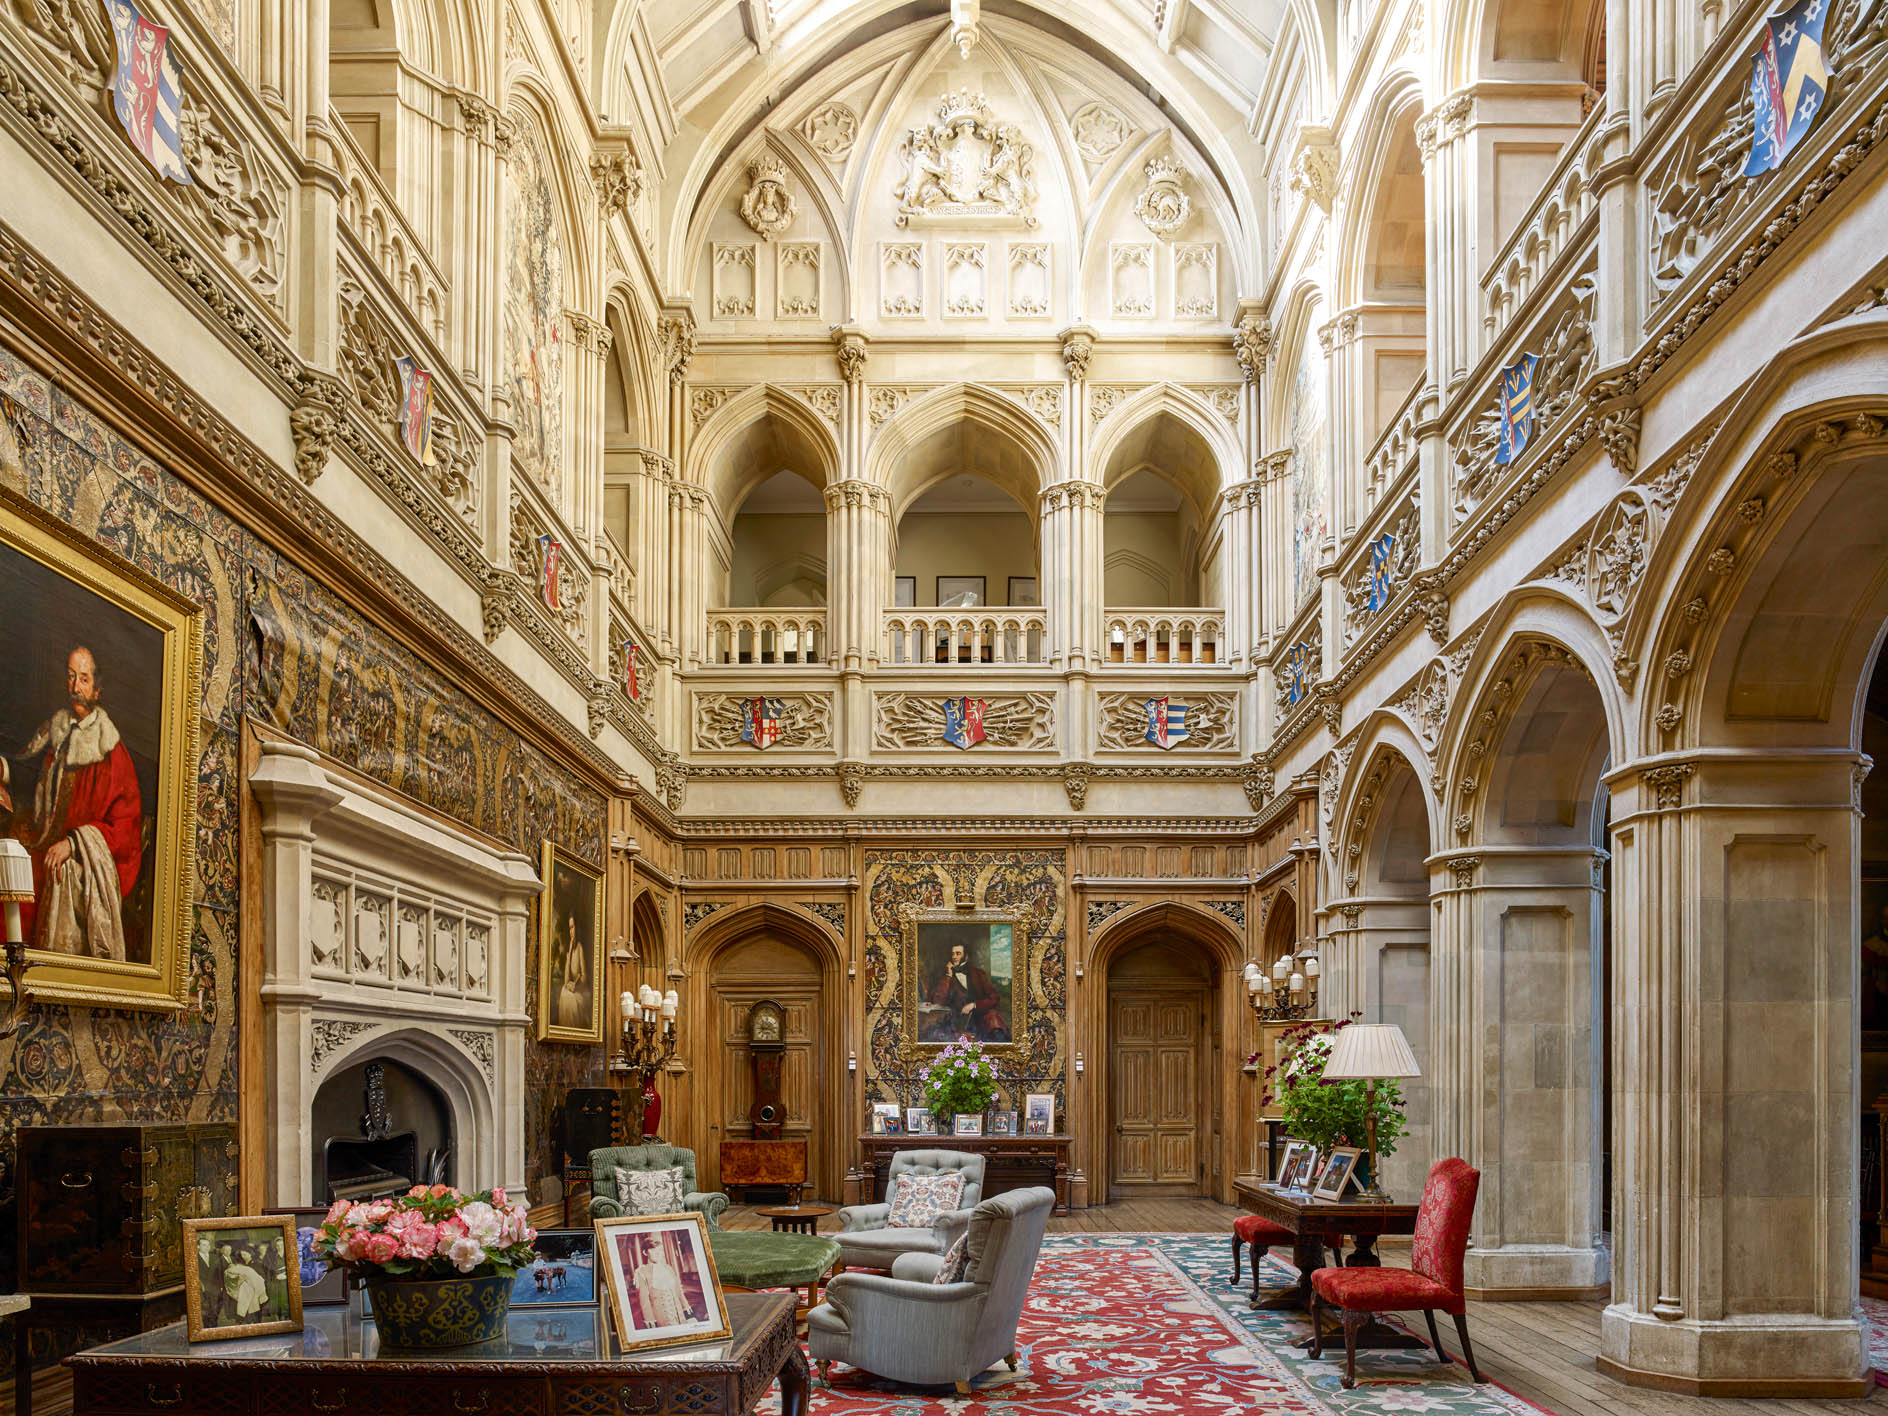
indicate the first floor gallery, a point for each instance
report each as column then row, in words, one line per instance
column 943, row 707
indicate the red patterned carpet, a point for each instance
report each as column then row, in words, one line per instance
column 1137, row 1324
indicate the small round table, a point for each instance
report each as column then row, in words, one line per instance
column 795, row 1219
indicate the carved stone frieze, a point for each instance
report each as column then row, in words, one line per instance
column 479, row 1044
column 1386, row 566
column 327, row 1036
column 1211, row 722
column 806, row 721
column 911, row 721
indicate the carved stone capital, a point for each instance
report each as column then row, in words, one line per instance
column 618, row 179
column 1668, row 783
column 676, row 330
column 1463, row 868
column 1075, row 783
column 1252, row 343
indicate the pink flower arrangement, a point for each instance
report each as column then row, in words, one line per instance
column 429, row 1232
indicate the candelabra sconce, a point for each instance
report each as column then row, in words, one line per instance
column 648, row 1046
column 16, row 889
column 1289, row 993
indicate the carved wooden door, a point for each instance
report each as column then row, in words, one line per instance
column 1154, row 1075
column 768, row 968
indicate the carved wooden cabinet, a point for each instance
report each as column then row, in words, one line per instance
column 101, row 1208
column 1009, row 1163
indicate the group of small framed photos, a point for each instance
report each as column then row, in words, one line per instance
column 1303, row 1171
column 1037, row 1118
column 254, row 1276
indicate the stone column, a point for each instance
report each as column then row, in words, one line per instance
column 688, row 527
column 858, row 570
column 1453, row 285
column 516, row 901
column 1517, row 1067
column 676, row 329
column 473, row 262
column 1343, row 357
column 294, row 792
column 1735, row 1044
column 1243, row 562
column 1071, row 514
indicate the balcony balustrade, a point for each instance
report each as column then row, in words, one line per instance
column 1136, row 636
column 988, row 636
column 764, row 636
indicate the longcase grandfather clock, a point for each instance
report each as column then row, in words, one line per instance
column 766, row 1160
column 766, row 1046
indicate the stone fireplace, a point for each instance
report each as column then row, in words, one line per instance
column 390, row 937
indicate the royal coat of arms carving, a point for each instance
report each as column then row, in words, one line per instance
column 965, row 165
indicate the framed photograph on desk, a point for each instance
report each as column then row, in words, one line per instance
column 661, row 1278
column 1296, row 1165
column 1340, row 1170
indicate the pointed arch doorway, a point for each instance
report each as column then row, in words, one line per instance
column 1166, row 1073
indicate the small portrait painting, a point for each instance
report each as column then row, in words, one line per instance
column 242, row 1277
column 97, row 759
column 564, row 1273
column 570, row 950
column 962, row 980
column 661, row 1278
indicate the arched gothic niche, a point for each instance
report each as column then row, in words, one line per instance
column 1216, row 955
column 1519, row 943
column 1161, row 460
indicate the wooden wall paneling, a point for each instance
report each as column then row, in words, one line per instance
column 252, row 1104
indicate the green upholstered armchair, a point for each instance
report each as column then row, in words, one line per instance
column 606, row 1162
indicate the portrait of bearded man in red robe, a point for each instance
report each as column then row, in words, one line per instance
column 85, row 828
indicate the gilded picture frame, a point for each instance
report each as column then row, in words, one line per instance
column 74, row 606
column 258, row 1247
column 570, row 929
column 692, row 1306
column 938, row 1008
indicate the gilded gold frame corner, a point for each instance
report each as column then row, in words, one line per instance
column 158, row 986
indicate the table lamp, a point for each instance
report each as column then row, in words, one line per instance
column 1367, row 1053
column 16, row 889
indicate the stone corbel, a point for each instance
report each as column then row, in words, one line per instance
column 1259, row 781
column 1313, row 170
column 315, row 423
column 618, row 180
column 851, row 783
column 849, row 350
column 1078, row 349
column 1251, row 339
column 1075, row 783
column 498, row 602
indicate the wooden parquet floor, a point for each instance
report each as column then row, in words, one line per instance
column 1542, row 1351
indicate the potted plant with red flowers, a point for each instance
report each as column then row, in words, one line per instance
column 437, row 1264
column 1329, row 1113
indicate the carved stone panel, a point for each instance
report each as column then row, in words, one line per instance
column 1211, row 722
column 907, row 721
column 806, row 721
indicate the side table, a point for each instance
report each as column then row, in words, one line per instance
column 795, row 1219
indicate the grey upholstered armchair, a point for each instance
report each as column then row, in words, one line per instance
column 606, row 1162
column 906, row 1328
column 866, row 1242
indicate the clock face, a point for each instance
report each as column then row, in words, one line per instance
column 764, row 1024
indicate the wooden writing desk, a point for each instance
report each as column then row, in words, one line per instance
column 550, row 1362
column 1318, row 1223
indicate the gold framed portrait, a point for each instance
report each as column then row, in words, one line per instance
column 242, row 1277
column 570, row 949
column 966, row 975
column 98, row 763
column 659, row 1273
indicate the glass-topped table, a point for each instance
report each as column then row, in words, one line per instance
column 548, row 1363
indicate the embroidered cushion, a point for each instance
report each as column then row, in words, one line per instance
column 956, row 1261
column 649, row 1191
column 922, row 1198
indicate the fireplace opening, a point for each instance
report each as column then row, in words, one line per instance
column 380, row 1129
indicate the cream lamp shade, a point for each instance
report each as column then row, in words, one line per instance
column 16, row 872
column 1367, row 1051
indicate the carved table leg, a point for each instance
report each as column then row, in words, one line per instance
column 1308, row 1255
column 795, row 1381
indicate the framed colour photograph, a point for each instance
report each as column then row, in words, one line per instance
column 660, row 1276
column 240, row 1277
column 965, row 1124
column 564, row 1274
column 886, row 1120
column 99, row 706
column 1002, row 1123
column 1299, row 1157
column 570, row 949
column 919, row 1121
column 1039, row 1114
column 959, row 591
column 1340, row 1171
column 322, row 1286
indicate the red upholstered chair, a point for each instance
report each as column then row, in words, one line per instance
column 1432, row 1281
column 1261, row 1234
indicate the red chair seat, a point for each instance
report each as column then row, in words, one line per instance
column 1383, row 1290
column 1251, row 1229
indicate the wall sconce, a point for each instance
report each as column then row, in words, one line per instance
column 620, row 952
column 1291, row 992
column 1078, row 970
column 852, row 1060
column 16, row 889
column 1079, row 1067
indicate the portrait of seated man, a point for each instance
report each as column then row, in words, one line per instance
column 966, row 974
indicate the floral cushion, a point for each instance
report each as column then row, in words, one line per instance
column 649, row 1191
column 956, row 1261
column 920, row 1199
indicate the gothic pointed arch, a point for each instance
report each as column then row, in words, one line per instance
column 963, row 428
column 755, row 433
